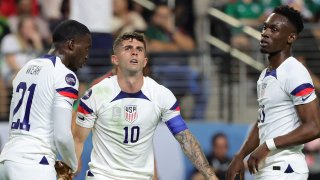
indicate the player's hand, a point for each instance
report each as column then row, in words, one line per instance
column 256, row 157
column 64, row 172
column 235, row 168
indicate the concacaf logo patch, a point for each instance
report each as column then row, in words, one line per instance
column 87, row 94
column 70, row 79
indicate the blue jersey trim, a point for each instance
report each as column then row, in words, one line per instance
column 271, row 73
column 51, row 57
column 176, row 104
column 85, row 107
column 123, row 95
column 176, row 125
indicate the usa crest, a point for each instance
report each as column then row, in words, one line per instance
column 130, row 113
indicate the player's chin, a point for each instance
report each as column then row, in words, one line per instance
column 263, row 50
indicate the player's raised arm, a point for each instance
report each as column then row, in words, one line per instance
column 192, row 149
column 251, row 143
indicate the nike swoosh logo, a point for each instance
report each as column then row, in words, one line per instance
column 69, row 102
column 81, row 118
column 303, row 99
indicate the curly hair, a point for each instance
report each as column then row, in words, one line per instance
column 292, row 15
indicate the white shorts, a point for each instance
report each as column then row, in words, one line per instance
column 10, row 170
column 96, row 176
column 282, row 176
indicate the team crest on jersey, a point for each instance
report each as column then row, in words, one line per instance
column 130, row 113
column 70, row 79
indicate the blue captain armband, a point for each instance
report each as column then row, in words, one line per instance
column 176, row 125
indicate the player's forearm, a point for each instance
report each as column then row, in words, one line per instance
column 79, row 148
column 251, row 143
column 191, row 148
column 303, row 134
column 307, row 131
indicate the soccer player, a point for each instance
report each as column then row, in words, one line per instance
column 41, row 107
column 289, row 115
column 123, row 112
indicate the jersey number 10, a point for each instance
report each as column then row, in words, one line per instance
column 135, row 132
column 24, row 125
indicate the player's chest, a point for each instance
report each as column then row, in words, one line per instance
column 129, row 111
column 271, row 91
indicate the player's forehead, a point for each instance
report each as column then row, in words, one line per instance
column 132, row 42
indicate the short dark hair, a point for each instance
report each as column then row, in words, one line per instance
column 292, row 15
column 126, row 36
column 69, row 29
column 216, row 136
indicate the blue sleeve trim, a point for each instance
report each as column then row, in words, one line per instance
column 176, row 125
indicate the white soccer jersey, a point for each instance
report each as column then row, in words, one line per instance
column 40, row 85
column 278, row 92
column 123, row 125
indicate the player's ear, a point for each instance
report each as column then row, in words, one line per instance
column 292, row 37
column 70, row 44
column 114, row 60
column 145, row 61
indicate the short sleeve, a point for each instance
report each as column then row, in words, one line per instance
column 171, row 112
column 86, row 115
column 169, row 104
column 66, row 89
column 299, row 86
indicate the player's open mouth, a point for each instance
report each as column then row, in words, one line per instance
column 263, row 43
column 133, row 61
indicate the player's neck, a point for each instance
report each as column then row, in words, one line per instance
column 130, row 84
column 276, row 59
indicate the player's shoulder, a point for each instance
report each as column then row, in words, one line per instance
column 153, row 85
column 292, row 65
column 106, row 88
column 292, row 68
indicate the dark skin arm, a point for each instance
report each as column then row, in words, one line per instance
column 191, row 148
column 307, row 131
column 251, row 143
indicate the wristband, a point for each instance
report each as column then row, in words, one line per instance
column 270, row 144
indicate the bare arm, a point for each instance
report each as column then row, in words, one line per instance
column 307, row 131
column 251, row 143
column 192, row 149
column 80, row 134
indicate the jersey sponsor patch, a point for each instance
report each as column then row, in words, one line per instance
column 304, row 98
column 130, row 113
column 70, row 79
column 81, row 117
column 87, row 94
